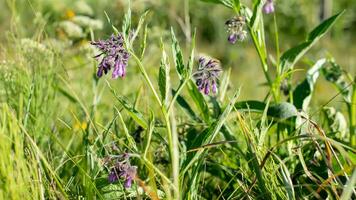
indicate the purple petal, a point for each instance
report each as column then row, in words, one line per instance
column 201, row 60
column 214, row 87
column 202, row 85
column 212, row 63
column 128, row 183
column 232, row 38
column 207, row 88
column 123, row 70
column 125, row 55
column 112, row 177
column 118, row 70
column 115, row 73
column 268, row 7
column 100, row 72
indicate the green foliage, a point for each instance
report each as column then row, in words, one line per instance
column 291, row 56
column 282, row 111
column 302, row 94
column 177, row 56
column 63, row 129
column 163, row 77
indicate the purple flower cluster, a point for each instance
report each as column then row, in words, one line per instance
column 124, row 170
column 268, row 7
column 207, row 75
column 113, row 55
column 235, row 28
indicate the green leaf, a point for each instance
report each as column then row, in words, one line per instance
column 336, row 122
column 282, row 110
column 252, row 106
column 226, row 3
column 126, row 25
column 209, row 134
column 291, row 56
column 139, row 25
column 185, row 105
column 143, row 42
column 191, row 57
column 255, row 25
column 334, row 74
column 112, row 26
column 303, row 92
column 349, row 187
column 224, row 84
column 66, row 94
column 236, row 5
column 136, row 116
column 163, row 76
column 286, row 179
column 177, row 56
column 199, row 100
column 256, row 16
column 279, row 111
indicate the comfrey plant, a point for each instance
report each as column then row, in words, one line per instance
column 235, row 28
column 187, row 142
column 207, row 75
column 122, row 169
column 113, row 55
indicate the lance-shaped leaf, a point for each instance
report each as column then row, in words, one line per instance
column 291, row 56
column 126, row 25
column 139, row 26
column 191, row 57
column 251, row 106
column 199, row 100
column 135, row 115
column 303, row 92
column 236, row 5
column 177, row 56
column 163, row 76
column 185, row 106
column 256, row 16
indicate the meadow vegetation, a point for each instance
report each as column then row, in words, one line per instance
column 183, row 99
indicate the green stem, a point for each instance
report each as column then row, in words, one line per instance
column 147, row 79
column 174, row 152
column 181, row 86
column 353, row 116
column 172, row 138
column 277, row 45
column 264, row 64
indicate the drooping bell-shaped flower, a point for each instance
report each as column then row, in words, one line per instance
column 113, row 55
column 207, row 75
column 235, row 29
column 268, row 7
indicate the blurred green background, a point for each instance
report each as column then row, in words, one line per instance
column 294, row 17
